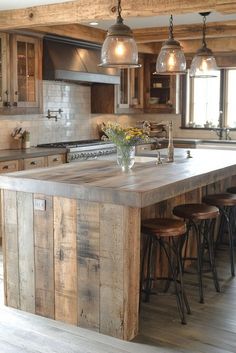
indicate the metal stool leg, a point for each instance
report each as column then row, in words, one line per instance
column 178, row 292
column 226, row 214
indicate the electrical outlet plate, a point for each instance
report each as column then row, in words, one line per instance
column 39, row 204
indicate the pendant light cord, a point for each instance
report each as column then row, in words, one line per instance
column 171, row 36
column 119, row 9
column 204, row 32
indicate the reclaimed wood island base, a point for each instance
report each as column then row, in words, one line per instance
column 71, row 234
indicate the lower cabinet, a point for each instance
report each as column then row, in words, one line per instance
column 56, row 159
column 9, row 166
column 29, row 163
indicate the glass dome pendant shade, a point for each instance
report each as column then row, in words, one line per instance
column 203, row 64
column 119, row 48
column 171, row 59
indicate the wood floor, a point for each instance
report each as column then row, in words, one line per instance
column 211, row 328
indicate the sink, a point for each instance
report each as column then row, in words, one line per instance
column 217, row 146
column 228, row 142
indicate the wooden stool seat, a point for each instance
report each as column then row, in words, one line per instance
column 164, row 227
column 197, row 211
column 232, row 190
column 220, row 200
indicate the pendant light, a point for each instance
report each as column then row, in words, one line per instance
column 171, row 59
column 203, row 63
column 119, row 48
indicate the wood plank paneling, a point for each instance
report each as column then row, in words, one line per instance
column 111, row 270
column 131, row 271
column 44, row 259
column 10, row 245
column 65, row 225
column 118, row 282
column 26, row 251
column 88, row 264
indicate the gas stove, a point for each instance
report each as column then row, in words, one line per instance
column 85, row 149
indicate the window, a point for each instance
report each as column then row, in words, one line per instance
column 207, row 97
column 230, row 101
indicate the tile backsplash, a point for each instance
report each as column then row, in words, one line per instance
column 76, row 121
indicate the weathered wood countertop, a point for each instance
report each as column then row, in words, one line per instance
column 146, row 184
column 8, row 155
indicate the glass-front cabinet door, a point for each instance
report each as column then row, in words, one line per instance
column 25, row 69
column 4, row 64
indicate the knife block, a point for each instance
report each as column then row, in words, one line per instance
column 15, row 144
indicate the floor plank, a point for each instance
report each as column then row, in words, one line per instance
column 211, row 327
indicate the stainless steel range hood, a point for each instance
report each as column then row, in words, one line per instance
column 70, row 60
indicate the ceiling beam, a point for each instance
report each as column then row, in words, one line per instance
column 183, row 32
column 85, row 10
column 217, row 45
column 74, row 31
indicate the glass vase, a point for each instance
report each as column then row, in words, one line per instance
column 125, row 157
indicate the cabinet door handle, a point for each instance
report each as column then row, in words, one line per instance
column 33, row 163
column 5, row 167
column 55, row 160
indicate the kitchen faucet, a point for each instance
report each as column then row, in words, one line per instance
column 221, row 131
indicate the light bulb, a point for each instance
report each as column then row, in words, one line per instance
column 171, row 61
column 204, row 65
column 119, row 49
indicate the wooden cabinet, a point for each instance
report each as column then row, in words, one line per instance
column 20, row 74
column 130, row 91
column 56, row 159
column 4, row 70
column 31, row 163
column 159, row 90
column 123, row 98
column 25, row 71
column 9, row 166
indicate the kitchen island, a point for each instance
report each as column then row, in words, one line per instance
column 72, row 233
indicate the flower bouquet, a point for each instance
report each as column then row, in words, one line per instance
column 125, row 139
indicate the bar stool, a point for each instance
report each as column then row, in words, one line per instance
column 170, row 235
column 226, row 203
column 201, row 220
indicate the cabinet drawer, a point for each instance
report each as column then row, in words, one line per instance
column 30, row 163
column 56, row 159
column 9, row 166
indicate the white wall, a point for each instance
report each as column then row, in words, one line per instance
column 76, row 122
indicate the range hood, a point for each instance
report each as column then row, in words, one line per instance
column 75, row 61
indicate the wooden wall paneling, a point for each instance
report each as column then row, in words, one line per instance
column 131, row 255
column 26, row 251
column 65, row 224
column 111, row 270
column 117, row 282
column 44, row 259
column 88, row 264
column 10, row 248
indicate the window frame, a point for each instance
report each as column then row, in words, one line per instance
column 187, row 99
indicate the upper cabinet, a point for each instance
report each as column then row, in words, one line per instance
column 160, row 91
column 25, row 78
column 140, row 90
column 20, row 73
column 4, row 65
column 129, row 94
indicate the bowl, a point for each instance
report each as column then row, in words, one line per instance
column 154, row 100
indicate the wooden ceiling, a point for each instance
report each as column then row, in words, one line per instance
column 65, row 18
